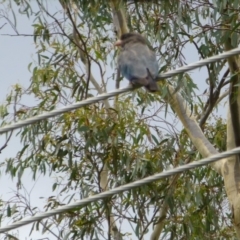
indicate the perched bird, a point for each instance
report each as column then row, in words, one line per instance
column 137, row 62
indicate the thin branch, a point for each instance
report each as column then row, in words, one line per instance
column 210, row 104
column 14, row 119
column 83, row 43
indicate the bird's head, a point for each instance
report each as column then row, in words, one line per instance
column 130, row 38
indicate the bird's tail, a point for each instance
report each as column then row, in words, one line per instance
column 152, row 84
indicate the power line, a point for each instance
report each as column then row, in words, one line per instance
column 115, row 92
column 200, row 63
column 120, row 189
column 68, row 108
column 129, row 186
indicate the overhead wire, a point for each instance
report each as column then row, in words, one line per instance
column 109, row 193
column 117, row 190
column 104, row 96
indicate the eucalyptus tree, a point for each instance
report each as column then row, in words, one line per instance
column 136, row 134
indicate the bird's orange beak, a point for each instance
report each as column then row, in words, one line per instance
column 118, row 43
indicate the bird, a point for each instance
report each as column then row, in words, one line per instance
column 137, row 61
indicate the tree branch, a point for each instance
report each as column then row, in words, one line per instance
column 189, row 122
column 211, row 103
column 119, row 19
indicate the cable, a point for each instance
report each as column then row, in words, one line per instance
column 200, row 63
column 63, row 110
column 120, row 189
column 115, row 92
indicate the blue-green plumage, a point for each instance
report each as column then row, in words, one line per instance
column 137, row 62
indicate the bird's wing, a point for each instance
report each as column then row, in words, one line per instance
column 135, row 59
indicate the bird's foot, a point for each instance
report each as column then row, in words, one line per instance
column 134, row 84
column 140, row 81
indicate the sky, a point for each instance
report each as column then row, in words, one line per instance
column 16, row 53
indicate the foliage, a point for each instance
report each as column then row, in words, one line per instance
column 131, row 137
